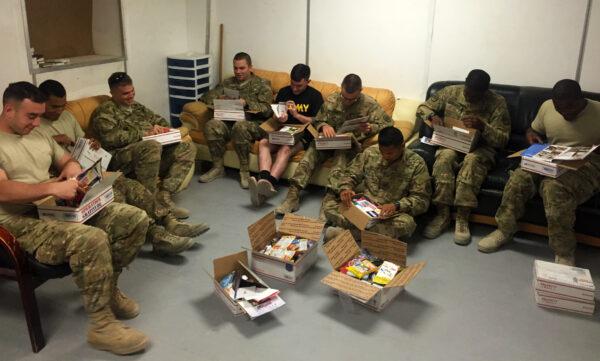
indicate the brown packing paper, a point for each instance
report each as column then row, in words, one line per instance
column 406, row 275
column 224, row 265
column 350, row 286
column 262, row 232
column 386, row 248
column 300, row 226
column 341, row 249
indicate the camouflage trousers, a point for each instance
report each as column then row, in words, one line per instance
column 132, row 192
column 243, row 133
column 313, row 158
column 148, row 160
column 401, row 226
column 561, row 196
column 96, row 251
column 460, row 191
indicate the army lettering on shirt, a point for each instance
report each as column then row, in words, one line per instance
column 308, row 102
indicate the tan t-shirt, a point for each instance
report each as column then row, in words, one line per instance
column 27, row 159
column 66, row 124
column 583, row 131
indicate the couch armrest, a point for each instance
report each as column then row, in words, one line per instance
column 194, row 115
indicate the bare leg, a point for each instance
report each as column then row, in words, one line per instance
column 284, row 154
column 265, row 149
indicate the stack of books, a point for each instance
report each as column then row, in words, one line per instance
column 563, row 287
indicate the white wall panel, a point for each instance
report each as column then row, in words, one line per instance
column 533, row 42
column 590, row 71
column 13, row 61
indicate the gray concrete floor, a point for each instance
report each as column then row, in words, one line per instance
column 465, row 305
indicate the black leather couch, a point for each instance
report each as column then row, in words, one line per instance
column 523, row 104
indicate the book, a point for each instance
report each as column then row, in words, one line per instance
column 229, row 110
column 279, row 109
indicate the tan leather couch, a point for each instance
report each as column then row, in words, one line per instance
column 83, row 108
column 195, row 114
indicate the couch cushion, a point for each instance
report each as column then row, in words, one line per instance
column 83, row 108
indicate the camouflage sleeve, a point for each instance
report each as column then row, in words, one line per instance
column 497, row 129
column 154, row 118
column 354, row 174
column 378, row 120
column 112, row 132
column 434, row 105
column 320, row 119
column 208, row 97
column 419, row 191
column 261, row 101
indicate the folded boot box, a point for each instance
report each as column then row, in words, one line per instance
column 264, row 231
column 239, row 262
column 94, row 201
column 343, row 248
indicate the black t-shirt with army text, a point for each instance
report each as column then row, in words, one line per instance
column 308, row 102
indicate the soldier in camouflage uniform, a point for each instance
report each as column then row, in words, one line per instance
column 257, row 96
column 570, row 120
column 121, row 122
column 166, row 233
column 348, row 104
column 393, row 177
column 98, row 251
column 478, row 108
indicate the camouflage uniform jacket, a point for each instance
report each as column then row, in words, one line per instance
column 450, row 102
column 256, row 91
column 405, row 180
column 334, row 114
column 117, row 126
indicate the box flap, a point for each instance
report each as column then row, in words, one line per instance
column 300, row 226
column 406, row 275
column 341, row 249
column 224, row 265
column 386, row 248
column 249, row 271
column 270, row 125
column 313, row 131
column 262, row 232
column 108, row 178
column 350, row 286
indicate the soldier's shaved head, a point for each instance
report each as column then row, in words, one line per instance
column 567, row 89
column 352, row 83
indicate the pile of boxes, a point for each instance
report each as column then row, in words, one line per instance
column 563, row 287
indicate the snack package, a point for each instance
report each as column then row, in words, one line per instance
column 386, row 273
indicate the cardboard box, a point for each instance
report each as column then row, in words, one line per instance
column 94, row 201
column 86, row 156
column 228, row 110
column 238, row 262
column 552, row 160
column 290, row 134
column 573, row 282
column 564, row 304
column 263, row 232
column 454, row 135
column 343, row 248
column 170, row 137
column 362, row 216
column 340, row 141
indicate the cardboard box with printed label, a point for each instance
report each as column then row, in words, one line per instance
column 286, row 134
column 340, row 141
column 170, row 137
column 264, row 231
column 552, row 160
column 343, row 248
column 238, row 262
column 86, row 156
column 454, row 135
column 94, row 201
column 362, row 216
column 229, row 110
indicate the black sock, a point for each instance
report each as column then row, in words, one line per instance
column 272, row 180
column 264, row 174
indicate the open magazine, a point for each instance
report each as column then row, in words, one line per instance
column 89, row 178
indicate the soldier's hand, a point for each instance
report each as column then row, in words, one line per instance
column 435, row 120
column 94, row 144
column 473, row 122
column 365, row 127
column 533, row 137
column 66, row 189
column 387, row 210
column 243, row 102
column 160, row 129
column 63, row 140
column 328, row 131
column 283, row 118
column 346, row 197
column 291, row 106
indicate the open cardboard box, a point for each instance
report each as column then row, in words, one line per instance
column 340, row 141
column 358, row 217
column 454, row 135
column 343, row 248
column 225, row 265
column 273, row 127
column 94, row 201
column 553, row 169
column 170, row 137
column 263, row 232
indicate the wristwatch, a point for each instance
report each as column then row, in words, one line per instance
column 398, row 205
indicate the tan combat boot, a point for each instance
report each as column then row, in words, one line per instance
column 493, row 241
column 439, row 223
column 256, row 198
column 165, row 243
column 565, row 260
column 244, row 175
column 462, row 234
column 164, row 197
column 107, row 334
column 122, row 306
column 182, row 229
column 291, row 202
column 217, row 171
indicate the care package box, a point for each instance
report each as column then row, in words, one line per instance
column 363, row 212
column 96, row 198
column 286, row 134
column 170, row 137
column 229, row 110
column 343, row 249
column 253, row 301
column 553, row 160
column 454, row 135
column 563, row 287
column 288, row 252
column 340, row 141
